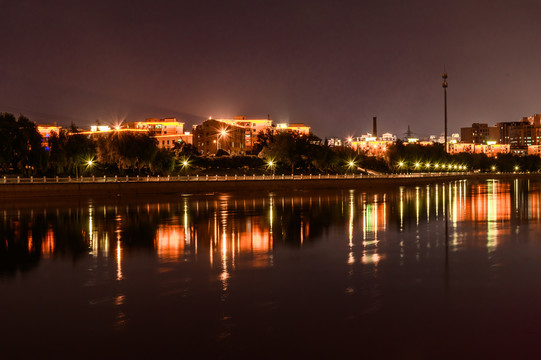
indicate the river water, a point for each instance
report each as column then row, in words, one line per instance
column 441, row 271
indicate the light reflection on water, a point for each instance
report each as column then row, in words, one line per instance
column 250, row 260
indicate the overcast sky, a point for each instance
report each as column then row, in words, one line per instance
column 330, row 64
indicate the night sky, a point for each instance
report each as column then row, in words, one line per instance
column 331, row 64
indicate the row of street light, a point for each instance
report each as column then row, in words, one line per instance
column 439, row 167
column 351, row 164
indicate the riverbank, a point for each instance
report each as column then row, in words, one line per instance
column 150, row 187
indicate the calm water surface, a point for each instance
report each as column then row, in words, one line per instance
column 441, row 271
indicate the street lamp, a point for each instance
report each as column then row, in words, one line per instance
column 271, row 164
column 185, row 164
column 222, row 133
column 89, row 164
column 400, row 165
column 351, row 165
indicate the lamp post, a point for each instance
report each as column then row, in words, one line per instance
column 444, row 85
column 221, row 134
column 351, row 166
column 89, row 165
column 271, row 164
column 185, row 165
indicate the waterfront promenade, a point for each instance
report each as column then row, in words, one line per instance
column 60, row 187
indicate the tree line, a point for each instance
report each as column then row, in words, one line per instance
column 70, row 153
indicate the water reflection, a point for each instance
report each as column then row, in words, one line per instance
column 231, row 232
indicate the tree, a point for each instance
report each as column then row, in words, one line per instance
column 8, row 133
column 69, row 150
column 163, row 163
column 261, row 141
column 283, row 148
column 324, row 159
column 127, row 150
column 20, row 145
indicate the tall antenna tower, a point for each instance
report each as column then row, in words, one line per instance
column 444, row 85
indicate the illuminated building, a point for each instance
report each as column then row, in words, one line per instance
column 167, row 131
column 334, row 142
column 213, row 135
column 252, row 127
column 521, row 134
column 479, row 133
column 489, row 149
column 46, row 131
column 462, row 148
column 372, row 148
column 298, row 128
column 534, row 150
column 97, row 131
column 97, row 128
column 372, row 145
column 454, row 138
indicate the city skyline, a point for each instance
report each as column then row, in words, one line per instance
column 313, row 62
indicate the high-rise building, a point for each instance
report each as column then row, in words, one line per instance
column 479, row 133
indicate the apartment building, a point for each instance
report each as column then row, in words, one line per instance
column 479, row 133
column 213, row 135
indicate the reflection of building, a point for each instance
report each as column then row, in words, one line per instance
column 170, row 241
column 213, row 135
column 48, row 244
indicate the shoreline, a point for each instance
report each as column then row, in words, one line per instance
column 49, row 190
